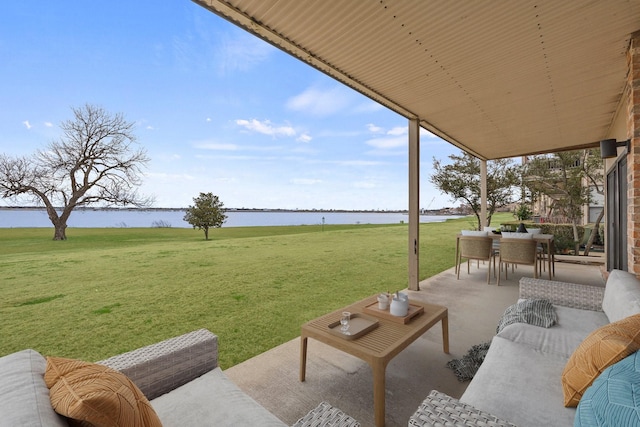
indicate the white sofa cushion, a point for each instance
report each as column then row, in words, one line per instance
column 473, row 233
column 621, row 295
column 213, row 400
column 564, row 337
column 511, row 235
column 24, row 396
column 520, row 384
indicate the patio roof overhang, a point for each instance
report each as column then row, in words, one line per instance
column 496, row 78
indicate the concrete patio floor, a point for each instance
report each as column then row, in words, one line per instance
column 344, row 381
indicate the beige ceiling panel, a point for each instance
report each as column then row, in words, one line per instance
column 500, row 78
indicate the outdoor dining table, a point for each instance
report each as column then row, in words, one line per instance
column 545, row 239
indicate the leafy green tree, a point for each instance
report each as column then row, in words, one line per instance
column 95, row 161
column 460, row 179
column 207, row 213
column 594, row 171
column 564, row 177
column 523, row 212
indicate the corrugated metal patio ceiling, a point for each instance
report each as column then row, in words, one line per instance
column 497, row 78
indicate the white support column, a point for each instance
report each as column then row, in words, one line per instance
column 483, row 194
column 414, row 204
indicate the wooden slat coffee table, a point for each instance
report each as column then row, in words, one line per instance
column 377, row 347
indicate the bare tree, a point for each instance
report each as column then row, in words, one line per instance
column 95, row 161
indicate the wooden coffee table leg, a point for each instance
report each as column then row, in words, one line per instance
column 445, row 333
column 378, row 368
column 303, row 357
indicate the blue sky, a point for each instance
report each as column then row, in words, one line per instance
column 217, row 109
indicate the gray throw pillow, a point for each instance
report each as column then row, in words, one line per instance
column 24, row 397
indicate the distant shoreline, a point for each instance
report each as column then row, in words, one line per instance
column 435, row 212
column 174, row 217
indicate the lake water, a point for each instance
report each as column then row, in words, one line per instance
column 122, row 218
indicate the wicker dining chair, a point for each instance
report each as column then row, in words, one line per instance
column 542, row 265
column 517, row 251
column 478, row 248
column 496, row 242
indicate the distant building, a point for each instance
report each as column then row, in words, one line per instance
column 543, row 206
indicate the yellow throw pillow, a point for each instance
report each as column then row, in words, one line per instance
column 97, row 394
column 601, row 349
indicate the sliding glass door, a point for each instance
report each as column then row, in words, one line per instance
column 616, row 236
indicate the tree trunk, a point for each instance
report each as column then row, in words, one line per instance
column 206, row 233
column 60, row 232
column 576, row 238
column 59, row 222
column 479, row 221
column 594, row 232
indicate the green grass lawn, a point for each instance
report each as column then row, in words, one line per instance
column 106, row 291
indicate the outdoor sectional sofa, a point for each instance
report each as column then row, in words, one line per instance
column 529, row 371
column 180, row 377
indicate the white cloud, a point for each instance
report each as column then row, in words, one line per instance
column 27, row 124
column 374, row 128
column 208, row 119
column 394, row 131
column 48, row 124
column 398, row 130
column 388, row 143
column 426, row 134
column 320, row 102
column 265, row 127
column 304, row 138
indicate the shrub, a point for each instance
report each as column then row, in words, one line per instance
column 523, row 213
column 563, row 233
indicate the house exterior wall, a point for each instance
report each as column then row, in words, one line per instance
column 633, row 160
